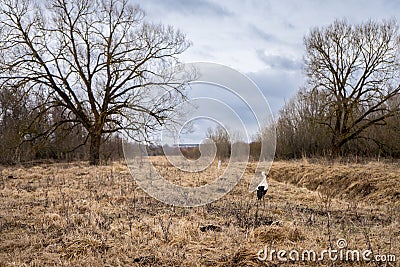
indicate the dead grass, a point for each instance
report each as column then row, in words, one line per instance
column 374, row 182
column 77, row 215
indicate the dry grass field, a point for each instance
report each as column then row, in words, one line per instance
column 78, row 215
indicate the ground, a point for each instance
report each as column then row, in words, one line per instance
column 78, row 215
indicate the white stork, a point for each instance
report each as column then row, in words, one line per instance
column 262, row 188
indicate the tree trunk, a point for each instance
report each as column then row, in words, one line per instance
column 95, row 141
column 335, row 151
column 336, row 146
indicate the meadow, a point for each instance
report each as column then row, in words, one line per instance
column 73, row 214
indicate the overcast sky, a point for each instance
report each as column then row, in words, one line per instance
column 260, row 38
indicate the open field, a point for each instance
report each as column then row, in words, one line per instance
column 78, row 215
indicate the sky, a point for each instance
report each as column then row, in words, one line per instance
column 259, row 38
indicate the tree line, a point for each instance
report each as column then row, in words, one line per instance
column 74, row 78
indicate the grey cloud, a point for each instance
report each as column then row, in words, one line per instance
column 277, row 86
column 263, row 34
column 279, row 61
column 192, row 7
column 289, row 25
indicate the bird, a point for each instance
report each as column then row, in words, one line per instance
column 262, row 188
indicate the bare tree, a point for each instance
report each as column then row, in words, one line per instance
column 357, row 68
column 298, row 131
column 14, row 116
column 222, row 141
column 98, row 60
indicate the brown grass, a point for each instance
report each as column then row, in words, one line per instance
column 77, row 215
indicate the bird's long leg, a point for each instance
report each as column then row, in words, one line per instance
column 256, row 214
column 264, row 202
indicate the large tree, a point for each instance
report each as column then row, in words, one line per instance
column 98, row 60
column 356, row 67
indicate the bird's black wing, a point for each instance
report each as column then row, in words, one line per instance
column 261, row 191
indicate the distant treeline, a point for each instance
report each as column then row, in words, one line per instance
column 301, row 132
column 298, row 134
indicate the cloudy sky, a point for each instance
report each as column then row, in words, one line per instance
column 260, row 38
